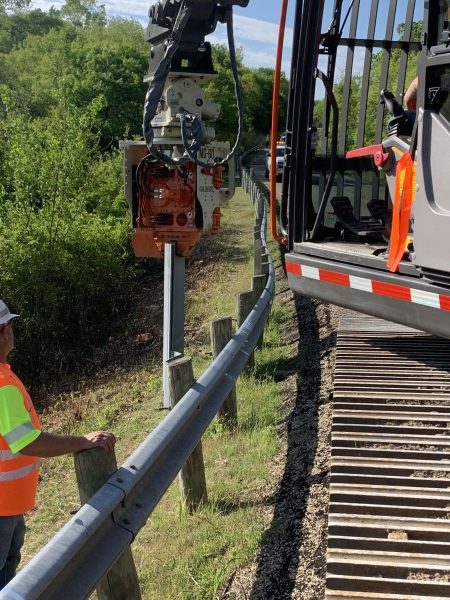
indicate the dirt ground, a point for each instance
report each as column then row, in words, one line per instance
column 292, row 561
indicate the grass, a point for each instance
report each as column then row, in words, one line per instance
column 182, row 556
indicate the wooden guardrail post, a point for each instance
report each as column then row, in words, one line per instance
column 93, row 468
column 258, row 211
column 258, row 285
column 221, row 333
column 265, row 265
column 245, row 304
column 257, row 250
column 192, row 475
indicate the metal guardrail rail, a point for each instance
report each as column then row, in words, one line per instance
column 259, row 195
column 84, row 550
column 245, row 155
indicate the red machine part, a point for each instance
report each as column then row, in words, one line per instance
column 166, row 209
column 217, row 175
column 379, row 154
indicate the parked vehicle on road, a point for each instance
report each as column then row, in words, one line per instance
column 279, row 162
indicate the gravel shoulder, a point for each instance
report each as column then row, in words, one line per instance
column 292, row 561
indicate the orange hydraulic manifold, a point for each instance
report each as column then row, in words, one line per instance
column 167, row 209
column 216, row 173
column 217, row 178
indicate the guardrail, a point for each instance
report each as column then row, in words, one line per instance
column 257, row 191
column 83, row 551
column 244, row 155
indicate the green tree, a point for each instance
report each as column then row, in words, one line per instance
column 84, row 13
column 108, row 61
column 64, row 257
column 15, row 27
column 221, row 90
column 257, row 90
column 392, row 83
column 13, row 5
column 375, row 86
column 258, row 94
column 114, row 68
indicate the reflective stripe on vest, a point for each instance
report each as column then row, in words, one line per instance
column 10, row 462
column 6, row 455
column 18, row 433
column 19, row 473
column 17, row 461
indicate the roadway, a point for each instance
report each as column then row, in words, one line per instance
column 258, row 164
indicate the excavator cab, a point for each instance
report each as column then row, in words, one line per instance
column 365, row 201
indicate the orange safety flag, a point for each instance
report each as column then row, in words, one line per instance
column 401, row 210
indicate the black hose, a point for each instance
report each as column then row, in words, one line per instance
column 156, row 90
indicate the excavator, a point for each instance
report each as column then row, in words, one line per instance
column 364, row 216
column 365, row 210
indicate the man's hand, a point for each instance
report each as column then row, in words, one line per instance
column 50, row 444
column 102, row 439
column 411, row 95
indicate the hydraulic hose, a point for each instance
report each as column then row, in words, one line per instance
column 196, row 122
column 191, row 124
column 274, row 133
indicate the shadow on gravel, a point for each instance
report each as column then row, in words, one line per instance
column 279, row 558
column 422, row 346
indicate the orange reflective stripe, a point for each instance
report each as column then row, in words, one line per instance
column 401, row 210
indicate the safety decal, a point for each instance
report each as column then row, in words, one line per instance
column 391, row 290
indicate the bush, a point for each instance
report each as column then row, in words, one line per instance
column 68, row 290
column 65, row 264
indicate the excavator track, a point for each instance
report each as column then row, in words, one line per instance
column 389, row 518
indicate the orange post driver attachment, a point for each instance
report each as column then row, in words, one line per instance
column 167, row 209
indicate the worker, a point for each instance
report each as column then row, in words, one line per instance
column 410, row 98
column 22, row 443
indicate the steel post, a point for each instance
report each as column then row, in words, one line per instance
column 173, row 332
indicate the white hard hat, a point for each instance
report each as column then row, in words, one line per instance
column 5, row 315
